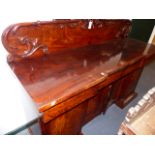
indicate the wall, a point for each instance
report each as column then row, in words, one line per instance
column 142, row 29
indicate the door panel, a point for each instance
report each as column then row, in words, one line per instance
column 125, row 88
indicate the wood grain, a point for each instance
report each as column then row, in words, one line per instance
column 33, row 39
column 53, row 79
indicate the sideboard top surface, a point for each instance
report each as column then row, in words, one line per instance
column 51, row 79
column 59, row 59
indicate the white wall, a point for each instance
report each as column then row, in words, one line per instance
column 16, row 107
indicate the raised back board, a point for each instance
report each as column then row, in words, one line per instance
column 27, row 40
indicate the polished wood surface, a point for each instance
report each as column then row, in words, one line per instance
column 38, row 38
column 85, row 70
column 54, row 78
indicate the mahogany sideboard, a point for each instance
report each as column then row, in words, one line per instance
column 75, row 69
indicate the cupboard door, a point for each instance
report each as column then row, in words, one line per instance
column 98, row 103
column 126, row 88
column 93, row 104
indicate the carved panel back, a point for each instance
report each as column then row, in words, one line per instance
column 34, row 39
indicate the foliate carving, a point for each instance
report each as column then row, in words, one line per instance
column 32, row 46
column 146, row 102
column 26, row 39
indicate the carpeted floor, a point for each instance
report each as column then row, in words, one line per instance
column 108, row 124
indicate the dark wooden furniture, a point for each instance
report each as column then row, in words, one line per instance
column 75, row 69
column 140, row 119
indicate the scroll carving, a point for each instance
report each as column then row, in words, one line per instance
column 32, row 46
column 25, row 40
